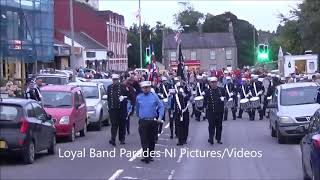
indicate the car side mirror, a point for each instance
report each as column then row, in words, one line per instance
column 77, row 106
column 49, row 117
column 104, row 97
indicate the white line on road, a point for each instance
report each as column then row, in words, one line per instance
column 167, row 126
column 127, row 177
column 116, row 174
column 171, row 174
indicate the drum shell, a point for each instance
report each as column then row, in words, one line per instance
column 254, row 103
column 199, row 101
column 230, row 103
column 244, row 104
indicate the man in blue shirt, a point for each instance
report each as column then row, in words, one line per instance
column 150, row 111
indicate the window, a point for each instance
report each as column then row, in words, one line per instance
column 213, row 67
column 81, row 98
column 29, row 110
column 9, row 113
column 315, row 124
column 91, row 54
column 56, row 99
column 39, row 112
column 193, row 55
column 228, row 54
column 103, row 91
column 212, row 54
column 298, row 96
column 173, row 56
column 77, row 100
column 311, row 66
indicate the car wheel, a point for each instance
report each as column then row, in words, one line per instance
column 72, row 136
column 84, row 130
column 99, row 123
column 280, row 138
column 29, row 153
column 52, row 148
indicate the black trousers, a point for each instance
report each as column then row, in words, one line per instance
column 197, row 112
column 172, row 125
column 182, row 127
column 253, row 113
column 265, row 104
column 118, row 124
column 215, row 125
column 234, row 111
column 148, row 134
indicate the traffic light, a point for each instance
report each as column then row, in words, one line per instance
column 148, row 55
column 263, row 53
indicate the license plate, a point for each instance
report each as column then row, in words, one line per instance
column 3, row 145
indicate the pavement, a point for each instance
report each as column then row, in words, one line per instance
column 248, row 152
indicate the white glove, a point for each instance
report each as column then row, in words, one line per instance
column 260, row 92
column 203, row 93
column 231, row 94
column 222, row 98
column 203, row 114
column 121, row 98
column 171, row 115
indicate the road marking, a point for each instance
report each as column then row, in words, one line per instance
column 166, row 127
column 116, row 174
column 171, row 174
column 127, row 177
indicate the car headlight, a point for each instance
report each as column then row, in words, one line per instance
column 285, row 120
column 64, row 120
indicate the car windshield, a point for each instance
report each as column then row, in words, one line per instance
column 298, row 96
column 54, row 99
column 8, row 113
column 90, row 92
column 54, row 80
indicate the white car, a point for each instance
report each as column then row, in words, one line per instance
column 291, row 106
column 96, row 101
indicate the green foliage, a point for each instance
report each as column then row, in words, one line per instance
column 188, row 17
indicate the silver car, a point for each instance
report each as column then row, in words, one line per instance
column 96, row 100
column 291, row 106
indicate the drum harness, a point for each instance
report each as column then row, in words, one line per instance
column 179, row 104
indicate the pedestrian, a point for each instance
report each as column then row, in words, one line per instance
column 117, row 103
column 150, row 111
column 214, row 108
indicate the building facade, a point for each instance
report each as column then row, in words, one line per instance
column 105, row 27
column 26, row 36
column 201, row 51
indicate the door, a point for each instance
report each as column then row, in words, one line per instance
column 80, row 114
column 307, row 141
column 35, row 125
column 45, row 125
column 104, row 102
column 274, row 111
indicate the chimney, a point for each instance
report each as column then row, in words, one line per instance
column 230, row 26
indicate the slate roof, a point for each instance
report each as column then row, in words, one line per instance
column 200, row 41
column 85, row 40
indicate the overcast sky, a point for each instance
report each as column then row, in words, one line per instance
column 263, row 14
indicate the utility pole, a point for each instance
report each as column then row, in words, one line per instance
column 72, row 57
column 140, row 33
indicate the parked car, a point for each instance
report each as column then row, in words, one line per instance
column 105, row 82
column 26, row 128
column 54, row 79
column 96, row 101
column 67, row 106
column 291, row 106
column 310, row 148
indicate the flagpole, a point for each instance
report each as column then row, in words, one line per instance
column 140, row 32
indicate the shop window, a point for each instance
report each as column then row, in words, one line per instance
column 173, row 56
column 91, row 54
column 193, row 55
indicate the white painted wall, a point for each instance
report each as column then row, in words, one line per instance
column 100, row 55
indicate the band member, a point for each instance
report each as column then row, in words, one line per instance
column 231, row 92
column 117, row 103
column 181, row 113
column 150, row 112
column 200, row 88
column 256, row 90
column 244, row 91
column 214, row 106
column 33, row 90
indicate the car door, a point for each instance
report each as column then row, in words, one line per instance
column 81, row 110
column 104, row 102
column 35, row 125
column 45, row 125
column 274, row 111
column 307, row 141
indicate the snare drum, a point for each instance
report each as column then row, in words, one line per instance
column 254, row 102
column 199, row 101
column 230, row 103
column 244, row 104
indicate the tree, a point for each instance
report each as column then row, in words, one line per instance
column 188, row 19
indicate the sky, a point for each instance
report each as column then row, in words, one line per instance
column 262, row 14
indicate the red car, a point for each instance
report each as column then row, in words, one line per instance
column 67, row 107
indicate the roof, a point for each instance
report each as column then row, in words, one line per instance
column 16, row 101
column 52, row 75
column 63, row 88
column 298, row 85
column 84, row 83
column 201, row 41
column 85, row 40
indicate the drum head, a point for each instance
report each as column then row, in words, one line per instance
column 254, row 99
column 198, row 98
column 165, row 100
column 230, row 99
column 244, row 100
